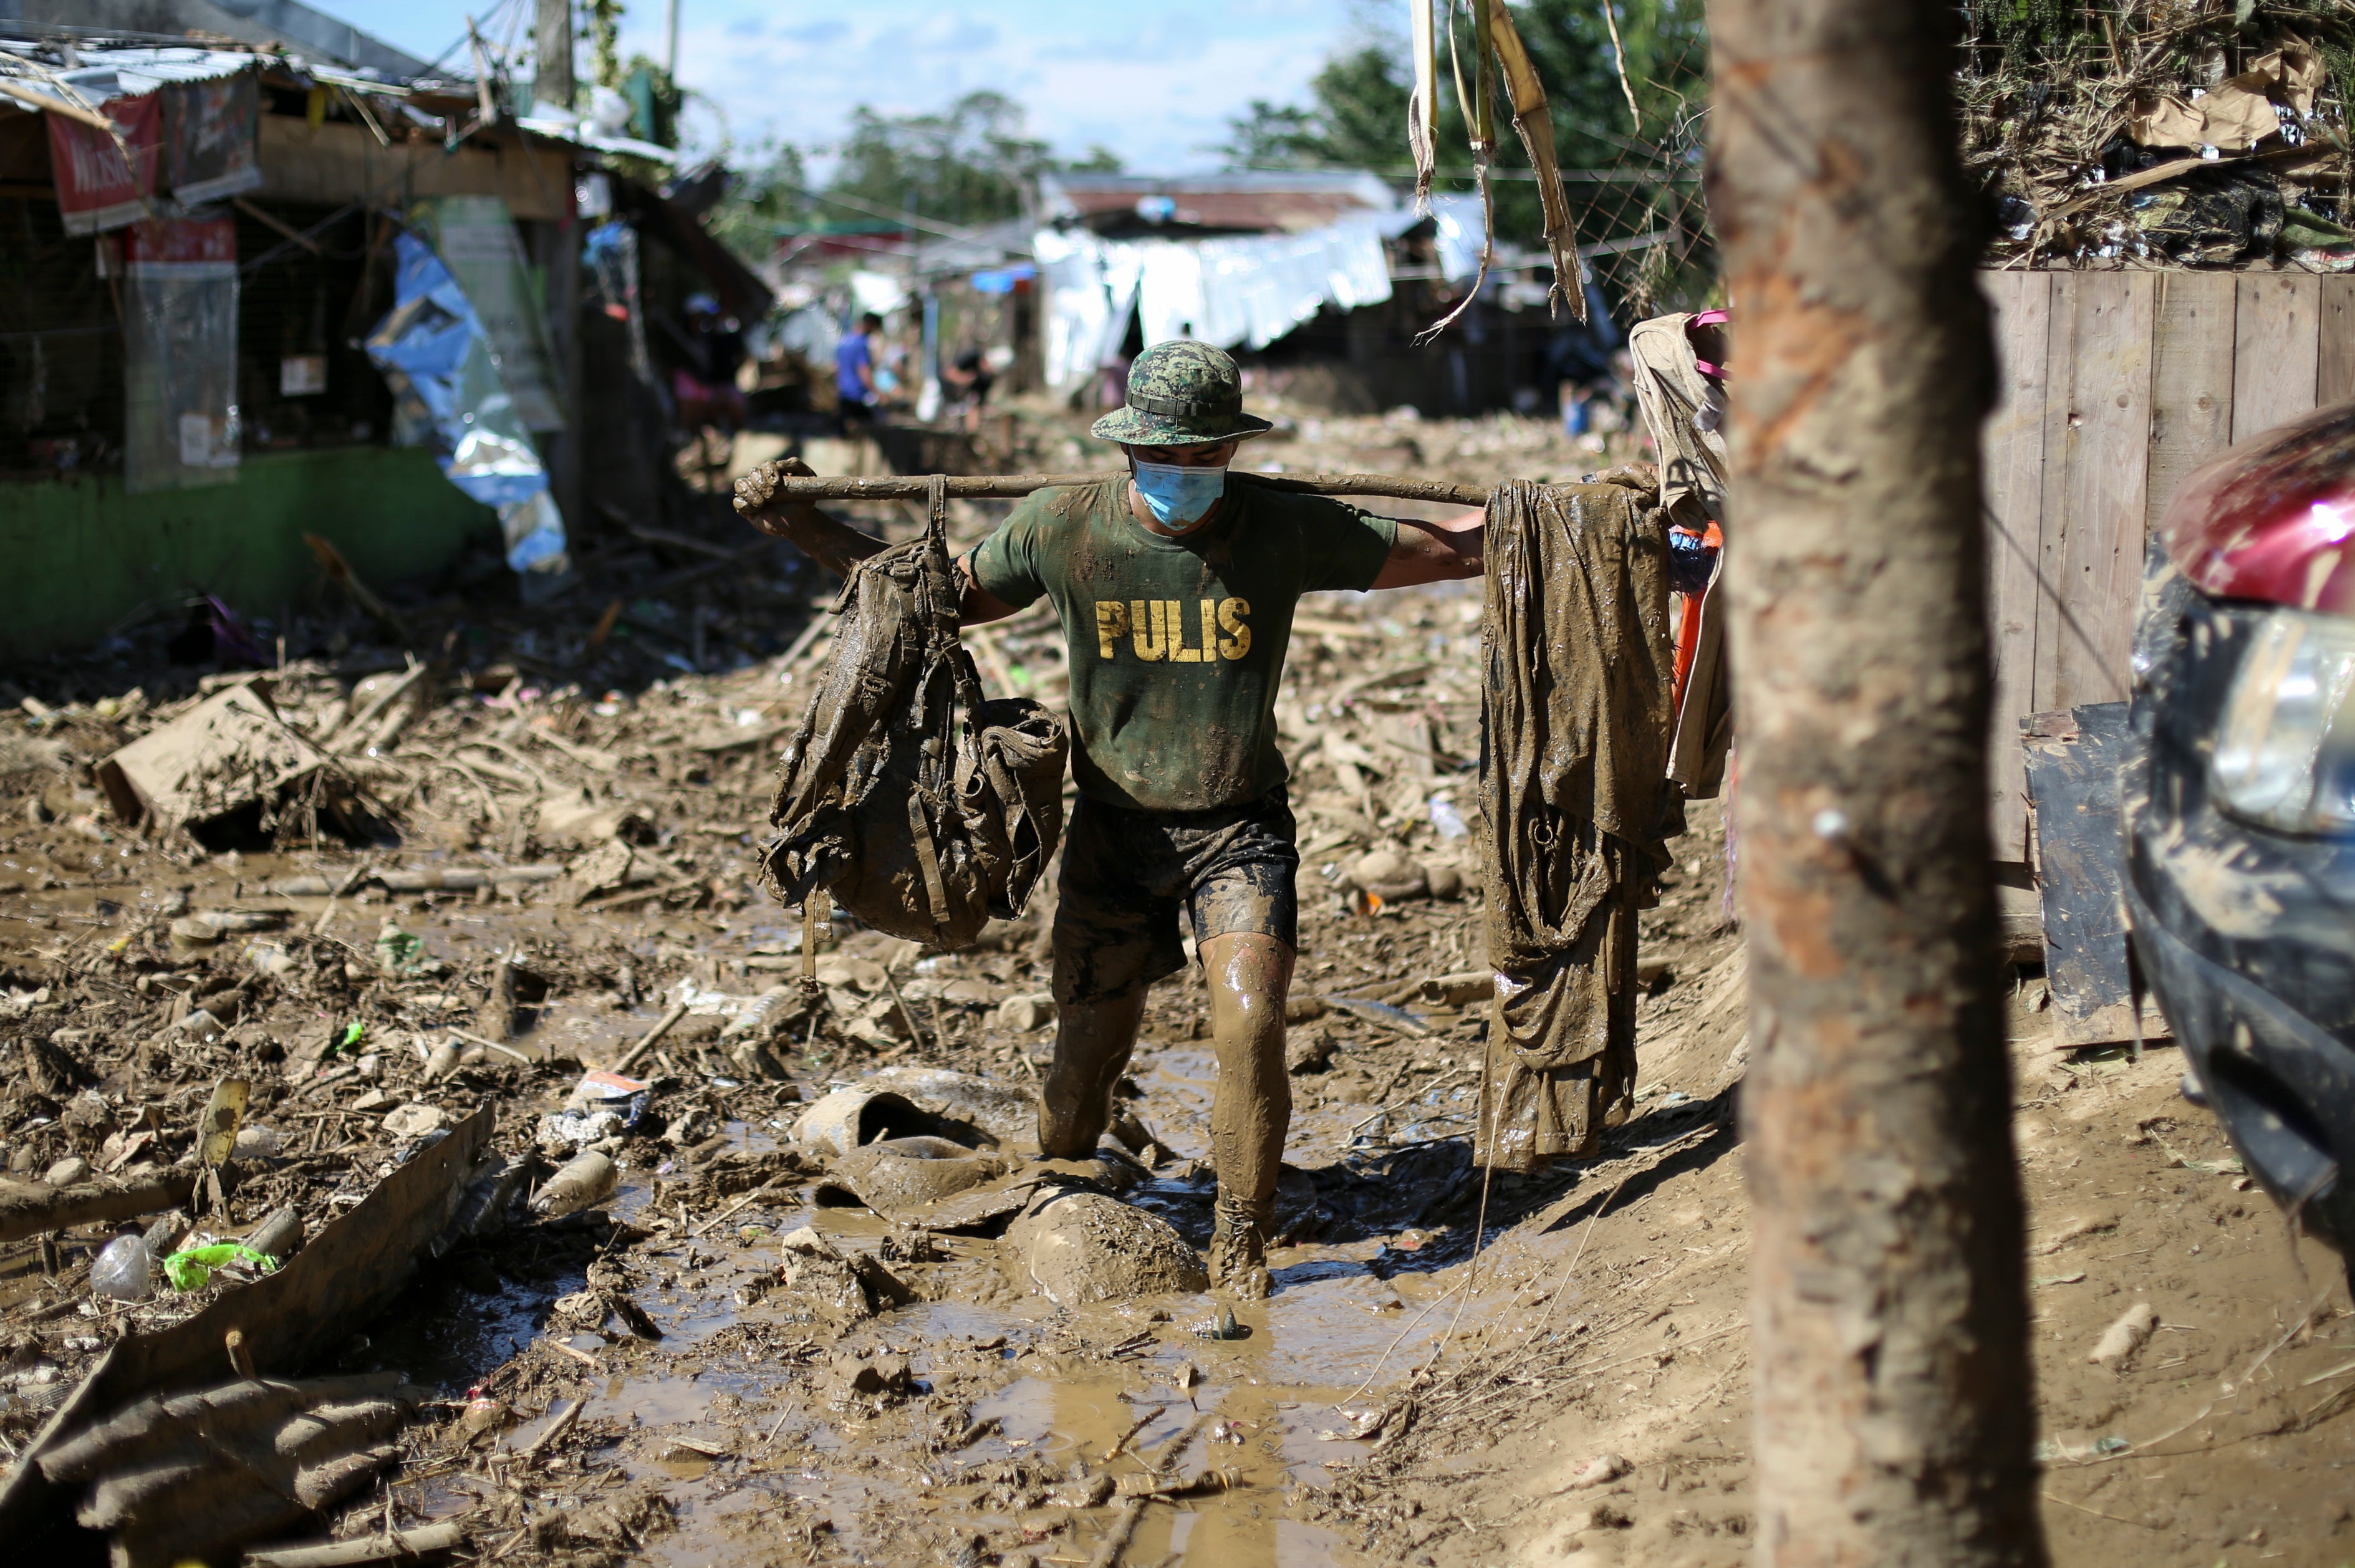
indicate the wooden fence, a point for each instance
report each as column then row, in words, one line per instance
column 2114, row 386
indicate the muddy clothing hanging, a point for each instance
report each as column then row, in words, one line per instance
column 1684, row 412
column 1577, row 707
column 924, row 808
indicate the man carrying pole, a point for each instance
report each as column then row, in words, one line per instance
column 1176, row 590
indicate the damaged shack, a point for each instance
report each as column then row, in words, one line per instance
column 292, row 283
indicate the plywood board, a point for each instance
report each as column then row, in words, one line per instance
column 2012, row 461
column 2276, row 345
column 2105, row 489
column 2334, row 377
column 336, row 162
column 2191, row 380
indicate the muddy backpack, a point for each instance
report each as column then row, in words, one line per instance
column 922, row 807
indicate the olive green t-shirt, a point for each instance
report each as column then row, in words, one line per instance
column 1176, row 645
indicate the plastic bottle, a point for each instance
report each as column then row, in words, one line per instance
column 280, row 1236
column 123, row 1272
column 759, row 1020
column 585, row 1178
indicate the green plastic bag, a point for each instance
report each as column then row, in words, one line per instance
column 191, row 1268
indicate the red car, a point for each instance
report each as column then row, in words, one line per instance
column 2238, row 796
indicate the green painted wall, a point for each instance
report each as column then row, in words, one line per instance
column 77, row 557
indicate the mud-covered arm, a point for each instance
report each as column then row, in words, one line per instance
column 828, row 540
column 1442, row 549
column 980, row 606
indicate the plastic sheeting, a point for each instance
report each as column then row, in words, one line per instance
column 450, row 397
column 475, row 237
column 179, row 343
column 1247, row 292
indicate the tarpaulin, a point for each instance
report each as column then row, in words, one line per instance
column 475, row 237
column 212, row 137
column 179, row 340
column 449, row 396
column 97, row 188
column 1249, row 291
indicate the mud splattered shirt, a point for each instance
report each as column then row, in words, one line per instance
column 1178, row 644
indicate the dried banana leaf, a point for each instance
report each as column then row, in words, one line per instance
column 1534, row 122
column 1423, row 107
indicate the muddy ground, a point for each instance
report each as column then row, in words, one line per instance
column 1575, row 1392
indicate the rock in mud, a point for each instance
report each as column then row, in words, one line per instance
column 1023, row 1014
column 2122, row 1338
column 1082, row 1247
column 1308, row 1051
column 838, row 1288
column 874, row 1378
column 1389, row 876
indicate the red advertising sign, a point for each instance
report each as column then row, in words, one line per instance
column 182, row 240
column 96, row 188
column 212, row 131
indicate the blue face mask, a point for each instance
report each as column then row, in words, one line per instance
column 1179, row 497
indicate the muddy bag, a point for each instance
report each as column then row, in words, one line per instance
column 923, row 808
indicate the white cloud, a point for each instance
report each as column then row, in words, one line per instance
column 1155, row 81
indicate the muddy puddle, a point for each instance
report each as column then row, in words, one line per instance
column 1017, row 1421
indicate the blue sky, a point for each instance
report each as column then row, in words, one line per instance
column 1155, row 81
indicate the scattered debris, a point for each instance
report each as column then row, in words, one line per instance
column 2121, row 1339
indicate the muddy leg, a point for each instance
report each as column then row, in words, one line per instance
column 1092, row 1040
column 1249, row 974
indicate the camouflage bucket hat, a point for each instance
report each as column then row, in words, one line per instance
column 1180, row 394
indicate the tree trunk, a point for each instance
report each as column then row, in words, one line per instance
column 1888, row 1306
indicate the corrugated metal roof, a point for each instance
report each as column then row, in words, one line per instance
column 1252, row 201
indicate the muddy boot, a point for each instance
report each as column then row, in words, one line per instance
column 1239, row 1249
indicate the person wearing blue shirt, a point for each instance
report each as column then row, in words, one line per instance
column 854, row 371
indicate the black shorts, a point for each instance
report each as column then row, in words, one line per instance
column 1125, row 873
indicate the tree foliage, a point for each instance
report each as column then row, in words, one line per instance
column 1355, row 117
column 768, row 197
column 968, row 164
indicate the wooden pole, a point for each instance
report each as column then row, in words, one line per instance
column 1888, row 1304
column 552, row 41
column 908, row 486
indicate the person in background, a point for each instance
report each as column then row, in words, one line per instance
column 969, row 377
column 855, row 390
column 704, row 382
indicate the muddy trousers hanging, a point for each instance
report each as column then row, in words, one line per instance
column 1577, row 703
